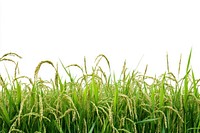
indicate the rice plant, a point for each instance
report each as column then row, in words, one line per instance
column 98, row 102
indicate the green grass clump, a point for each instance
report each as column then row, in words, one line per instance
column 98, row 102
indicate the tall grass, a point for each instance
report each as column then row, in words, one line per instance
column 99, row 102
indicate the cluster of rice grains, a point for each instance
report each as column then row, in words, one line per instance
column 98, row 102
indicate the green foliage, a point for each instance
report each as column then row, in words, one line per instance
column 98, row 102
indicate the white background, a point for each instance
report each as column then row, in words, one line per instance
column 69, row 30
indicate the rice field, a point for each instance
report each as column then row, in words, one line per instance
column 98, row 102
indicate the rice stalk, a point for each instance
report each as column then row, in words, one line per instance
column 39, row 66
